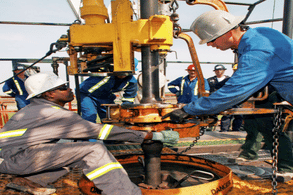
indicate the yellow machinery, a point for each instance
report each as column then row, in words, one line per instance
column 99, row 47
column 121, row 37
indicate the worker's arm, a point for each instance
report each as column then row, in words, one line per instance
column 7, row 88
column 130, row 92
column 206, row 85
column 174, row 86
column 64, row 124
column 253, row 74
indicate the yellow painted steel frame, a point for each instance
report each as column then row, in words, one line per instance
column 148, row 118
column 123, row 34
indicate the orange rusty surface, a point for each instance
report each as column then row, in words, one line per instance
column 148, row 113
column 248, row 111
column 216, row 187
column 148, row 117
column 185, row 130
column 217, row 4
column 68, row 185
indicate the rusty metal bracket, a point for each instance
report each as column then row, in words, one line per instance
column 189, row 41
column 217, row 4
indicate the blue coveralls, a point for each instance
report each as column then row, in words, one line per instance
column 14, row 87
column 265, row 57
column 95, row 91
column 187, row 90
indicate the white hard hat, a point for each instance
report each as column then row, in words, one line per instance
column 213, row 24
column 42, row 82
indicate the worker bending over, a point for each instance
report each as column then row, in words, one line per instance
column 265, row 57
column 29, row 142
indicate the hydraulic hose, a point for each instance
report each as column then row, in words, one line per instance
column 58, row 45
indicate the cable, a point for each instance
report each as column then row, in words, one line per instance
column 58, row 45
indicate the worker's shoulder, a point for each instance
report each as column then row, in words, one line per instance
column 9, row 81
column 43, row 109
column 131, row 78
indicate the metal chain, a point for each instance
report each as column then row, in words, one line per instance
column 201, row 132
column 174, row 6
column 276, row 129
column 174, row 17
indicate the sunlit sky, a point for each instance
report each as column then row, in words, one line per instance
column 33, row 41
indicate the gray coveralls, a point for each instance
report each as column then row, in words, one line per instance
column 29, row 145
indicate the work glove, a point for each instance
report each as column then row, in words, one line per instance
column 177, row 116
column 167, row 136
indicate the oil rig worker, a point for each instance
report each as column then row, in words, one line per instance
column 14, row 87
column 265, row 57
column 186, row 87
column 98, row 90
column 30, row 146
column 216, row 82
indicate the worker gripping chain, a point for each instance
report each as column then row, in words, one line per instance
column 168, row 136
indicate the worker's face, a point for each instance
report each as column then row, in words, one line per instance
column 191, row 73
column 63, row 94
column 219, row 73
column 223, row 42
column 18, row 71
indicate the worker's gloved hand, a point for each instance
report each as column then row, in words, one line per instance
column 177, row 116
column 167, row 136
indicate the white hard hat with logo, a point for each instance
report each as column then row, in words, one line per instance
column 42, row 82
column 213, row 24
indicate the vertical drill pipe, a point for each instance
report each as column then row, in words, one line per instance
column 147, row 80
column 152, row 154
column 150, row 94
column 150, row 60
column 67, row 75
column 288, row 18
column 77, row 94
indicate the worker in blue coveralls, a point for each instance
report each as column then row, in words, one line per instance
column 14, row 87
column 95, row 91
column 186, row 87
column 265, row 57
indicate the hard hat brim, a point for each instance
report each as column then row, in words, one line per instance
column 36, row 94
column 238, row 20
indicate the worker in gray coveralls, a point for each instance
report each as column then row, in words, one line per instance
column 30, row 148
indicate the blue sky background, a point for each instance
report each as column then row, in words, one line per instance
column 31, row 41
